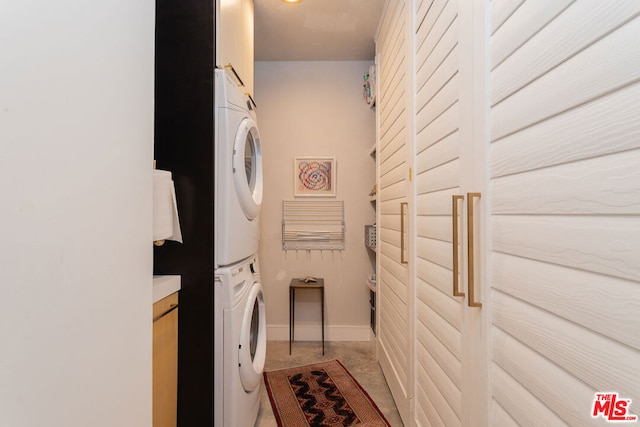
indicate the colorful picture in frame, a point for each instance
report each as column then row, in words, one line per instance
column 314, row 176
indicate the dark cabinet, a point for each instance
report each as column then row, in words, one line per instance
column 184, row 129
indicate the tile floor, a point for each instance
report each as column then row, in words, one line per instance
column 358, row 357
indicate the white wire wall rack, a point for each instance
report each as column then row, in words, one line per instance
column 312, row 224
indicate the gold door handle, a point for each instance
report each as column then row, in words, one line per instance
column 403, row 208
column 456, row 256
column 470, row 197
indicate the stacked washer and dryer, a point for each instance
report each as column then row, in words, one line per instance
column 239, row 313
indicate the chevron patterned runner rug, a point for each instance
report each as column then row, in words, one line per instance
column 322, row 394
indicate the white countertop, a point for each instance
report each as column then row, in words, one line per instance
column 164, row 286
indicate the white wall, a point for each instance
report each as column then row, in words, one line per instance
column 316, row 109
column 76, row 131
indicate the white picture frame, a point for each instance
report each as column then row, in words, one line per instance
column 314, row 176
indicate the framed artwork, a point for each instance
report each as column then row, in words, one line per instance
column 314, row 177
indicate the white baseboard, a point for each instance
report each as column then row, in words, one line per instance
column 313, row 333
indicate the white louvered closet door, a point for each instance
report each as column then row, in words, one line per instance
column 450, row 291
column 394, row 292
column 534, row 105
column 565, row 178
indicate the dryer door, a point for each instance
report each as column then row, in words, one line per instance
column 247, row 168
column 253, row 340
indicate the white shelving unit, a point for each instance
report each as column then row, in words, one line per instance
column 371, row 280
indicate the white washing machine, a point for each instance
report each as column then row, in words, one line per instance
column 240, row 344
column 238, row 173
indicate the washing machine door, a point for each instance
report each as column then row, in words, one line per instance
column 247, row 168
column 253, row 340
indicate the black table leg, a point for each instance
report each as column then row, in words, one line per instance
column 322, row 316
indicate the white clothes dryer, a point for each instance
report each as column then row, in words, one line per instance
column 240, row 344
column 238, row 174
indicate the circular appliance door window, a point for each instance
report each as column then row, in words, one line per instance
column 253, row 340
column 247, row 168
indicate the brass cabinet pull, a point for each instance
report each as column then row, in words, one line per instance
column 470, row 197
column 403, row 208
column 171, row 308
column 235, row 73
column 456, row 237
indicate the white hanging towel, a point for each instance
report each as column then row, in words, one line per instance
column 166, row 224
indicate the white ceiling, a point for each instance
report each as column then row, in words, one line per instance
column 316, row 30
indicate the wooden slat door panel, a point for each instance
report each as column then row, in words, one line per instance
column 565, row 212
column 446, row 374
column 394, row 293
column 535, row 104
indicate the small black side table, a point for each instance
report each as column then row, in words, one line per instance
column 300, row 284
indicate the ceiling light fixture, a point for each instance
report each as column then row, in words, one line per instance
column 292, row 1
